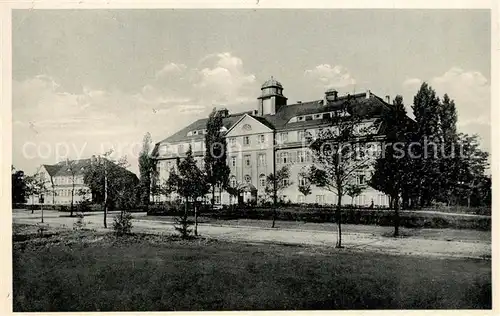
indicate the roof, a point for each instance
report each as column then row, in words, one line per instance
column 272, row 83
column 61, row 169
column 202, row 124
column 371, row 107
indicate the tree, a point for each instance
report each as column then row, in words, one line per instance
column 110, row 183
column 353, row 190
column 30, row 190
column 216, row 168
column 73, row 171
column 471, row 166
column 339, row 154
column 190, row 183
column 275, row 184
column 426, row 109
column 18, row 186
column 146, row 170
column 305, row 188
column 38, row 186
column 392, row 169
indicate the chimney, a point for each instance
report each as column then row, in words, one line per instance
column 387, row 99
column 368, row 94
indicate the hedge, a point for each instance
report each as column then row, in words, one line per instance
column 408, row 219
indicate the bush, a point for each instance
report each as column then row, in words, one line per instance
column 182, row 226
column 122, row 224
column 79, row 224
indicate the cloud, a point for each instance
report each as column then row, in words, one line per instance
column 44, row 113
column 225, row 79
column 330, row 77
column 171, row 68
column 471, row 92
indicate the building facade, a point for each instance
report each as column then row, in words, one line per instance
column 60, row 179
column 262, row 140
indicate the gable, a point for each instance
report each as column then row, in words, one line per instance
column 248, row 125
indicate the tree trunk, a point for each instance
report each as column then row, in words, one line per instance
column 213, row 196
column 195, row 219
column 41, row 205
column 72, row 198
column 32, row 204
column 396, row 216
column 105, row 195
column 339, row 222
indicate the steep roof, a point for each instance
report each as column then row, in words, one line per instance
column 201, row 124
column 61, row 168
column 361, row 105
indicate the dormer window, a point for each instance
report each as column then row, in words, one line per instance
column 190, row 133
column 317, row 116
column 195, row 132
column 300, row 118
column 309, row 117
column 326, row 116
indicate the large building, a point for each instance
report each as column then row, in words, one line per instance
column 273, row 135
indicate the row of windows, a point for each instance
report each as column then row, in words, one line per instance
column 261, row 139
column 68, row 180
column 319, row 116
column 197, row 132
column 360, row 180
column 247, row 160
column 297, row 156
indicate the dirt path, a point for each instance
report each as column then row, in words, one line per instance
column 479, row 249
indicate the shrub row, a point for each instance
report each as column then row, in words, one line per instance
column 349, row 216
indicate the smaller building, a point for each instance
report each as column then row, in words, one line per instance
column 64, row 177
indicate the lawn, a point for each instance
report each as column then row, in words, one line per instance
column 96, row 272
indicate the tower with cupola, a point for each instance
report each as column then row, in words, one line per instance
column 271, row 98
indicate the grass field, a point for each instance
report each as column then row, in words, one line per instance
column 96, row 272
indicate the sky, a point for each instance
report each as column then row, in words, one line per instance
column 85, row 81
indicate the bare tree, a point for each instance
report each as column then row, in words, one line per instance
column 275, row 184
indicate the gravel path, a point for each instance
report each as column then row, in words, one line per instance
column 478, row 249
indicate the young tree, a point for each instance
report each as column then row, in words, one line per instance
column 305, row 188
column 339, row 154
column 146, row 170
column 30, row 190
column 109, row 181
column 392, row 169
column 353, row 190
column 275, row 184
column 190, row 183
column 216, row 168
column 73, row 171
column 40, row 188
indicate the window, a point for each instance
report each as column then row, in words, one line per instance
column 302, row 181
column 300, row 118
column 361, row 179
column 180, row 148
column 262, row 180
column 195, row 132
column 302, row 135
column 262, row 159
column 317, row 116
column 247, row 161
column 286, row 182
column 217, row 199
column 320, row 199
column 246, row 140
column 233, row 161
column 262, row 139
column 301, row 199
column 233, row 181
column 301, row 157
column 326, row 116
column 284, row 137
column 232, row 140
column 309, row 118
column 248, row 179
column 284, row 157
